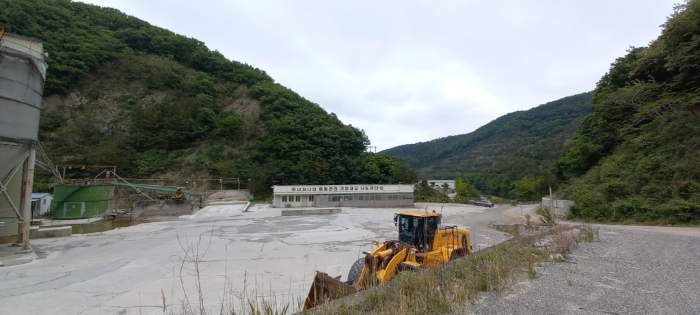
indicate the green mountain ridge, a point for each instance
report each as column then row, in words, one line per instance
column 637, row 155
column 122, row 92
column 509, row 147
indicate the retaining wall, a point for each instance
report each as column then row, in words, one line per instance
column 562, row 208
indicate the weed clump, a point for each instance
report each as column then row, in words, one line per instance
column 546, row 215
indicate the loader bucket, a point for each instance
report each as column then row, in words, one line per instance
column 326, row 288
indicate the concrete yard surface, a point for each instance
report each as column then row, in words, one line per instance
column 628, row 270
column 239, row 255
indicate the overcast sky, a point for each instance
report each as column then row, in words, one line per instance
column 411, row 71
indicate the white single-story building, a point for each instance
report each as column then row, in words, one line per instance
column 356, row 195
column 41, row 203
column 437, row 183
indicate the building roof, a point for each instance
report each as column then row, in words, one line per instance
column 416, row 213
column 39, row 195
column 441, row 180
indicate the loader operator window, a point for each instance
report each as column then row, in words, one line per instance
column 406, row 229
column 432, row 224
column 411, row 231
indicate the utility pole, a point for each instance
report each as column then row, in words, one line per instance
column 27, row 186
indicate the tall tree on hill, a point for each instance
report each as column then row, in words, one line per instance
column 633, row 157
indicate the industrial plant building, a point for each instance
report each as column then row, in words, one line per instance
column 358, row 195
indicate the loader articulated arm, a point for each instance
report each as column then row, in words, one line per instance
column 382, row 264
column 386, row 274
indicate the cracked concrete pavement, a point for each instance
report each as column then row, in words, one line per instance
column 258, row 253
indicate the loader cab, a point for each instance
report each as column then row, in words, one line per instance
column 417, row 228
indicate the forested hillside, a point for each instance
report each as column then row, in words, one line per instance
column 504, row 150
column 637, row 155
column 122, row 92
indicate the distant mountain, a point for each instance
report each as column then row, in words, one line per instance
column 519, row 143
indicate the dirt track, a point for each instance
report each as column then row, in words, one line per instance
column 628, row 270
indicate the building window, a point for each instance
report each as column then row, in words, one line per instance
column 43, row 202
column 298, row 199
column 311, row 198
column 284, row 198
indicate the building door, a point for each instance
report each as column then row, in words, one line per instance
column 336, row 201
column 35, row 208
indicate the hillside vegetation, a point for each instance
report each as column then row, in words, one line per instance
column 637, row 155
column 494, row 156
column 122, row 92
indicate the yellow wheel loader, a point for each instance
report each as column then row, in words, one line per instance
column 422, row 243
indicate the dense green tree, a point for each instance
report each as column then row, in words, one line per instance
column 464, row 189
column 526, row 188
column 427, row 192
column 153, row 102
column 635, row 157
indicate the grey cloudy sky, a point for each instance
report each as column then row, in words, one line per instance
column 411, row 71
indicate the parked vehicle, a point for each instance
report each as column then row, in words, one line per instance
column 484, row 203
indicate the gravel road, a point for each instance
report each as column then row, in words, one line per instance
column 477, row 220
column 628, row 270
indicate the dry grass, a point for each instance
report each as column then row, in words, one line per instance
column 252, row 298
column 453, row 287
column 442, row 290
column 446, row 289
column 511, row 229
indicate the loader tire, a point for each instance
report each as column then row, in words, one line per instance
column 355, row 271
column 460, row 252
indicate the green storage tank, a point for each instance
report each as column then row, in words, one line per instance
column 80, row 202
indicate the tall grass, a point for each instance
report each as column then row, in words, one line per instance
column 441, row 290
column 451, row 288
column 252, row 298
